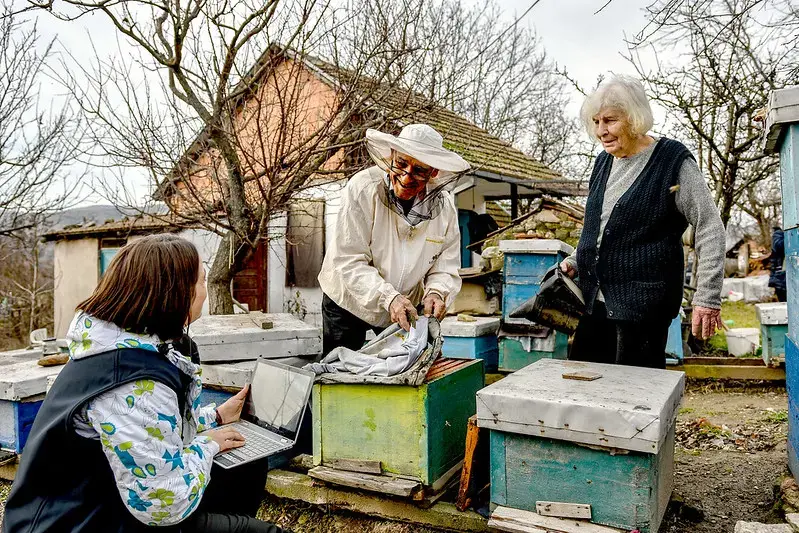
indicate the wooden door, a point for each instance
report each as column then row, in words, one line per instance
column 249, row 285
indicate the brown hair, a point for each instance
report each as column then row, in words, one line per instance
column 148, row 287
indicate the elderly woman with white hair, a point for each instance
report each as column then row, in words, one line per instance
column 643, row 194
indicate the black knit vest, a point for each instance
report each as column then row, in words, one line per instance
column 64, row 482
column 639, row 265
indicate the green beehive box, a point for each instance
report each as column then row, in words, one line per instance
column 518, row 352
column 414, row 431
column 607, row 443
column 773, row 318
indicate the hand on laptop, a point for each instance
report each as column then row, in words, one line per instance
column 230, row 411
column 226, row 437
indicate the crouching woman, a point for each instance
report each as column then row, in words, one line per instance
column 121, row 442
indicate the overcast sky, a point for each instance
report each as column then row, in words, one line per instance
column 587, row 45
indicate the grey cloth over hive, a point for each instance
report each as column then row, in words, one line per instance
column 393, row 358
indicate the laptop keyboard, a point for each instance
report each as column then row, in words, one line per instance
column 256, row 445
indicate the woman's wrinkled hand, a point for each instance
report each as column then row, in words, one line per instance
column 705, row 322
column 568, row 268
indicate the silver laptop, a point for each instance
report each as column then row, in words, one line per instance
column 272, row 414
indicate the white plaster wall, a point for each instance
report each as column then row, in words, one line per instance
column 207, row 243
column 471, row 199
column 282, row 298
column 76, row 271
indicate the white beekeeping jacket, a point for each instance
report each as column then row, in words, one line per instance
column 375, row 254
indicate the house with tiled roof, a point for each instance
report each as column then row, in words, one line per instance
column 281, row 275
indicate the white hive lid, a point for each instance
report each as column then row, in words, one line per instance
column 535, row 246
column 630, row 408
column 482, row 325
column 774, row 313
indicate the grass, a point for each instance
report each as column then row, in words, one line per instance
column 777, row 417
column 742, row 314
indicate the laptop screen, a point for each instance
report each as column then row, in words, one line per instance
column 277, row 399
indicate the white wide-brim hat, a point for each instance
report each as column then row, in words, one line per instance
column 418, row 141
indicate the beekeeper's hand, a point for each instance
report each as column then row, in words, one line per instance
column 705, row 321
column 568, row 268
column 403, row 312
column 434, row 306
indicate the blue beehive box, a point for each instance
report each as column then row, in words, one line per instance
column 526, row 263
column 607, row 443
column 476, row 339
column 782, row 136
column 773, row 318
column 23, row 385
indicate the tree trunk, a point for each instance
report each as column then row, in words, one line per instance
column 34, row 290
column 220, row 299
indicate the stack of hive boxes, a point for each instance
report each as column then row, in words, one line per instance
column 522, row 342
column 782, row 137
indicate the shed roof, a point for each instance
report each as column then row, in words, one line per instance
column 484, row 151
column 141, row 225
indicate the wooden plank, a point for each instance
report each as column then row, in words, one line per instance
column 464, row 498
column 427, row 497
column 355, row 465
column 582, row 375
column 383, row 484
column 564, row 510
column 724, row 361
column 505, row 518
column 444, row 480
column 760, row 373
column 441, row 516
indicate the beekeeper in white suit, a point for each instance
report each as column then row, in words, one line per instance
column 396, row 243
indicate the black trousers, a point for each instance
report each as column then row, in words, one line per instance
column 230, row 502
column 342, row 328
column 599, row 339
column 782, row 294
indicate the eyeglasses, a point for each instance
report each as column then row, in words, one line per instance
column 418, row 173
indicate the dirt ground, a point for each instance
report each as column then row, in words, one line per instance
column 731, row 456
column 730, row 459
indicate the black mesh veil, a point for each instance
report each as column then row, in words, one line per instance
column 427, row 205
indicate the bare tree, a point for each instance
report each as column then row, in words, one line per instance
column 38, row 138
column 231, row 126
column 26, row 285
column 730, row 61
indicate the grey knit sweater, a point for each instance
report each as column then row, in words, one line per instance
column 696, row 205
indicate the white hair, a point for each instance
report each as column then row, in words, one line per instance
column 624, row 93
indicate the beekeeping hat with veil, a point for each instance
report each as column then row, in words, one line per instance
column 426, row 145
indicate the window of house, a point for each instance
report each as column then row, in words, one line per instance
column 305, row 243
column 108, row 249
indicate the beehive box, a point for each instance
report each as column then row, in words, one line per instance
column 471, row 340
column 608, row 443
column 773, row 318
column 22, row 388
column 226, row 338
column 792, row 384
column 416, row 432
column 516, row 352
column 526, row 262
